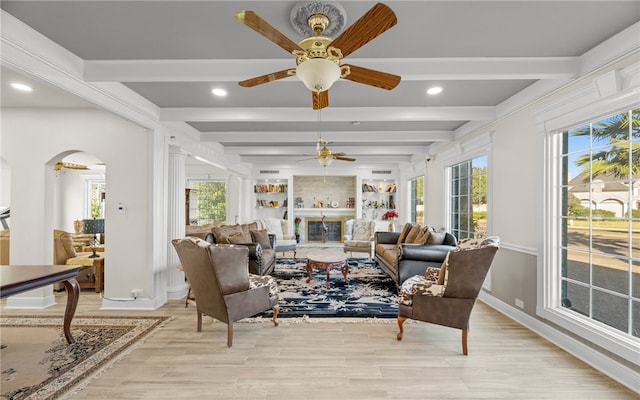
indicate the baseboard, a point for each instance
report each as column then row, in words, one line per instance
column 31, row 302
column 134, row 304
column 619, row 372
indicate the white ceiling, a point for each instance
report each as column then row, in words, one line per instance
column 172, row 53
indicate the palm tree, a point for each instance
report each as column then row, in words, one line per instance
column 614, row 159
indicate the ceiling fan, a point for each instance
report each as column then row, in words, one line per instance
column 319, row 58
column 325, row 156
column 68, row 165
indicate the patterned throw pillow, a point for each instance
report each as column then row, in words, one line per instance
column 237, row 238
column 418, row 285
column 261, row 237
column 432, row 274
column 256, row 281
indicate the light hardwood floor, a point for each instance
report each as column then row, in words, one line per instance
column 319, row 360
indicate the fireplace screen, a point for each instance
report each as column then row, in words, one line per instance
column 334, row 229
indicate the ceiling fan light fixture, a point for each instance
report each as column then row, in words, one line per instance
column 318, row 74
column 325, row 162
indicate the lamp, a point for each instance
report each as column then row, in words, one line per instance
column 93, row 226
column 325, row 161
column 318, row 74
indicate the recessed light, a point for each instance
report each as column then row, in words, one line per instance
column 434, row 90
column 21, row 86
column 219, row 92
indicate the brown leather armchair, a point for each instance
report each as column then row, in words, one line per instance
column 221, row 283
column 446, row 296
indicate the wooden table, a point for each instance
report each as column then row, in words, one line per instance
column 98, row 264
column 327, row 261
column 16, row 279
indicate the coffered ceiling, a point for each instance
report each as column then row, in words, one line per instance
column 171, row 54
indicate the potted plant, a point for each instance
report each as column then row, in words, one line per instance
column 391, row 216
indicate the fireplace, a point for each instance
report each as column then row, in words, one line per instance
column 334, row 229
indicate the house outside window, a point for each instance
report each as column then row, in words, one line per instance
column 416, row 196
column 207, row 202
column 599, row 223
column 468, row 198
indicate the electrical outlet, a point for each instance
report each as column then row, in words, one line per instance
column 135, row 293
column 519, row 303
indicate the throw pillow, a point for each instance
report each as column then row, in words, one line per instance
column 436, row 237
column 361, row 230
column 413, row 233
column 237, row 238
column 423, row 236
column 405, row 231
column 261, row 237
column 443, row 270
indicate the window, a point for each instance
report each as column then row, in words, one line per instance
column 95, row 198
column 599, row 224
column 207, row 202
column 468, row 198
column 417, row 200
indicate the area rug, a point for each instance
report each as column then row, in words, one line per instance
column 370, row 293
column 38, row 363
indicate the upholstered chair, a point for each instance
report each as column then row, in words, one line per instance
column 446, row 296
column 4, row 246
column 63, row 249
column 221, row 283
column 359, row 237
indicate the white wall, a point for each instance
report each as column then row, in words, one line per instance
column 33, row 140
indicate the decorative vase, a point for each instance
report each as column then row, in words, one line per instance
column 297, row 238
column 392, row 226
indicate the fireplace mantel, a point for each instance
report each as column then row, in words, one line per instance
column 328, row 212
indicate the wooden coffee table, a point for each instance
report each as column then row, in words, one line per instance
column 327, row 261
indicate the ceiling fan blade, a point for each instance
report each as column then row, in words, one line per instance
column 320, row 99
column 255, row 22
column 343, row 158
column 371, row 25
column 372, row 77
column 259, row 80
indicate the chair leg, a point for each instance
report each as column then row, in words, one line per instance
column 229, row 334
column 276, row 310
column 294, row 254
column 199, row 321
column 464, row 341
column 400, row 322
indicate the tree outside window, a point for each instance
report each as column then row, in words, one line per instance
column 208, row 202
column 600, row 222
column 417, row 200
column 468, row 198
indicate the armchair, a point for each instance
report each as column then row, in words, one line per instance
column 63, row 250
column 359, row 237
column 446, row 296
column 221, row 283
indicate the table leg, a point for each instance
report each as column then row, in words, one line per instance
column 345, row 272
column 73, row 295
column 328, row 279
column 99, row 267
column 309, row 271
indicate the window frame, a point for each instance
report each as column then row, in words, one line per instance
column 585, row 106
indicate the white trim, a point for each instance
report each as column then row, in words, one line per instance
column 610, row 92
column 592, row 357
column 30, row 302
column 137, row 304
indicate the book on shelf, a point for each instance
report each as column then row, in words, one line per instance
column 270, row 188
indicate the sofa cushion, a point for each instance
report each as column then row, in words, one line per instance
column 246, row 232
column 237, row 238
column 222, row 233
column 423, row 236
column 442, row 275
column 390, row 255
column 413, row 233
column 365, row 244
column 436, row 237
column 257, row 281
column 261, row 237
column 405, row 231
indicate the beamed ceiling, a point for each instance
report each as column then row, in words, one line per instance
column 488, row 56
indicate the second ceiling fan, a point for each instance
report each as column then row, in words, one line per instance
column 319, row 58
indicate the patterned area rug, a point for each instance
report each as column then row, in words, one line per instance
column 37, row 362
column 369, row 294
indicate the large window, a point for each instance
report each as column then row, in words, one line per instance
column 417, row 200
column 468, row 198
column 207, row 202
column 95, row 198
column 599, row 223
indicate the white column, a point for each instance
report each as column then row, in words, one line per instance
column 176, row 285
